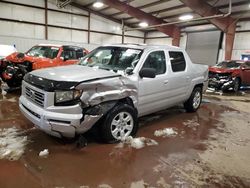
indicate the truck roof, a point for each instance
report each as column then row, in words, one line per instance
column 144, row 46
column 60, row 45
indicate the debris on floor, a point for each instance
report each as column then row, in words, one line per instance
column 137, row 143
column 139, row 184
column 12, row 143
column 193, row 124
column 210, row 90
column 167, row 132
column 104, row 186
column 44, row 153
column 243, row 93
column 4, row 86
column 4, row 92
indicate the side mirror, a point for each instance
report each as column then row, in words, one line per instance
column 129, row 70
column 147, row 73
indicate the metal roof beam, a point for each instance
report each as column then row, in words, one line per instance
column 171, row 30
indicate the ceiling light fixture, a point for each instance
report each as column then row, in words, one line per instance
column 98, row 4
column 143, row 24
column 186, row 17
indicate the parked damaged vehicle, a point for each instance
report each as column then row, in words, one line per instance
column 16, row 65
column 229, row 75
column 5, row 50
column 111, row 87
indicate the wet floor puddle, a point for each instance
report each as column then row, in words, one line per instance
column 106, row 165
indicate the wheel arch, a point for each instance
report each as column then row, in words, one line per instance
column 129, row 101
column 199, row 85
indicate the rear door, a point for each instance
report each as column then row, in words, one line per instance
column 179, row 79
column 70, row 56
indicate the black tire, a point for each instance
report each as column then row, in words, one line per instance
column 13, row 83
column 237, row 85
column 106, row 124
column 191, row 105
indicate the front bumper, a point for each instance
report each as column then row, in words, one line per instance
column 59, row 124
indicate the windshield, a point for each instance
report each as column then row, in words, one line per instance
column 112, row 58
column 44, row 51
column 228, row 64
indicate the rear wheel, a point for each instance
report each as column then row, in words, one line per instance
column 194, row 101
column 120, row 122
column 236, row 86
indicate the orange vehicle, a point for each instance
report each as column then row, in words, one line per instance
column 16, row 65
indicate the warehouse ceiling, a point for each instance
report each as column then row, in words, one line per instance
column 166, row 10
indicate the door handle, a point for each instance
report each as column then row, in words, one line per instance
column 165, row 82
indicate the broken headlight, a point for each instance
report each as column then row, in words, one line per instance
column 67, row 97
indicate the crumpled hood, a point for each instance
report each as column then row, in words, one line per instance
column 220, row 70
column 14, row 57
column 73, row 73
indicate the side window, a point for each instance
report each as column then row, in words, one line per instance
column 79, row 54
column 178, row 62
column 70, row 54
column 157, row 61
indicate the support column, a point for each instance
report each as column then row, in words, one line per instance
column 89, row 28
column 46, row 19
column 145, row 37
column 122, row 36
column 176, row 38
column 230, row 35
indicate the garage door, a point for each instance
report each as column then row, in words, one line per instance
column 203, row 47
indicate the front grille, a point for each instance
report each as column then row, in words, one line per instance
column 35, row 96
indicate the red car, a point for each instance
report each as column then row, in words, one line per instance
column 229, row 75
column 16, row 65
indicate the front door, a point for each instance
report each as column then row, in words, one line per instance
column 153, row 91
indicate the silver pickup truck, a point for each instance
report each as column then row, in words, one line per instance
column 111, row 87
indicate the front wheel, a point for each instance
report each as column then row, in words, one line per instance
column 194, row 101
column 119, row 123
column 13, row 83
column 236, row 86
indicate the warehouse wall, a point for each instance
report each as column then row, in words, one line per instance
column 74, row 29
column 241, row 45
column 162, row 39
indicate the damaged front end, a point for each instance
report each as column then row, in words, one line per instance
column 221, row 81
column 13, row 72
column 98, row 96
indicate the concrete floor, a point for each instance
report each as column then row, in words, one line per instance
column 211, row 149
